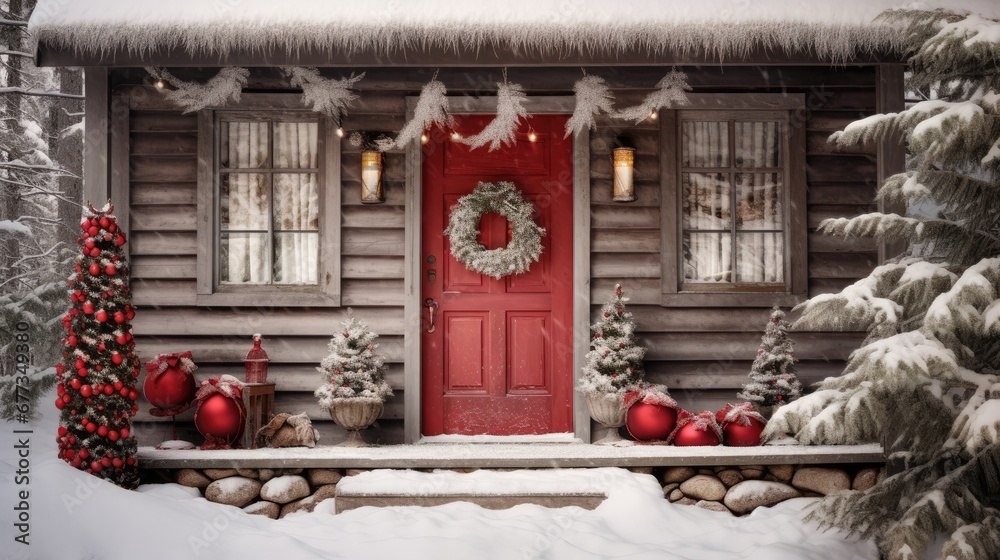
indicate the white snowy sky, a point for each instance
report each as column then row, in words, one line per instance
column 220, row 25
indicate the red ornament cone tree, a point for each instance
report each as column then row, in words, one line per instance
column 97, row 374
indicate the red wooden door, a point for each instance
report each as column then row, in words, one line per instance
column 500, row 359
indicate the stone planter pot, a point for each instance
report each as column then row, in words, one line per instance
column 354, row 416
column 608, row 413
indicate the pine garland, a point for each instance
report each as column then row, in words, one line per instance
column 669, row 93
column 224, row 87
column 510, row 111
column 354, row 370
column 324, row 95
column 505, row 199
column 431, row 110
column 592, row 96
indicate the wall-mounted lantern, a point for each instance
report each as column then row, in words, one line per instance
column 371, row 178
column 623, row 162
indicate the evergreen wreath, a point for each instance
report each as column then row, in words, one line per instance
column 463, row 230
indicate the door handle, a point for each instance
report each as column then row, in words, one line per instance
column 431, row 306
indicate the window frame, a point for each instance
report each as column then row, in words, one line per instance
column 210, row 292
column 789, row 109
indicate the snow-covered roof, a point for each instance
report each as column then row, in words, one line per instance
column 720, row 28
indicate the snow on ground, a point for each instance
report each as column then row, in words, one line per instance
column 76, row 516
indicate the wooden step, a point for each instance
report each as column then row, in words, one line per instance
column 487, row 489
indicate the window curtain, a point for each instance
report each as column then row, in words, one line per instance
column 708, row 203
column 296, row 204
column 248, row 255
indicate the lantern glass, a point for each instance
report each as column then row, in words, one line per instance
column 371, row 178
column 623, row 161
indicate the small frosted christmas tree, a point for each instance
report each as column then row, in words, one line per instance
column 98, row 371
column 614, row 363
column 353, row 370
column 772, row 376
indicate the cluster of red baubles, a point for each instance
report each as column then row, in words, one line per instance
column 655, row 422
column 82, row 458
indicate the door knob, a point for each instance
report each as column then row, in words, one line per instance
column 431, row 306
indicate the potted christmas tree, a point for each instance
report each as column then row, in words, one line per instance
column 772, row 377
column 355, row 387
column 613, row 367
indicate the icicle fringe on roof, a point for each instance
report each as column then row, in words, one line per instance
column 713, row 28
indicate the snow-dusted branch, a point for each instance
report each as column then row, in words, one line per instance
column 17, row 53
column 22, row 91
column 13, row 22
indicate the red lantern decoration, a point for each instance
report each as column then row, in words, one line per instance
column 651, row 413
column 256, row 362
column 169, row 381
column 697, row 429
column 220, row 416
column 741, row 425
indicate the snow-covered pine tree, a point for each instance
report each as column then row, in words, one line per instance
column 614, row 363
column 927, row 378
column 40, row 165
column 97, row 375
column 772, row 376
column 354, row 370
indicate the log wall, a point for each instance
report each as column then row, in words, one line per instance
column 703, row 354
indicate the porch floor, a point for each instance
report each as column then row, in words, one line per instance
column 508, row 455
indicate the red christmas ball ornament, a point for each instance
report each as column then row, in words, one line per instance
column 606, row 314
column 104, row 222
column 85, row 225
column 220, row 417
column 59, row 403
column 108, row 389
column 121, row 339
column 169, row 388
column 119, row 317
column 91, row 427
column 123, row 432
column 95, row 252
column 110, row 270
column 736, row 435
column 92, row 231
column 120, row 240
column 101, row 316
column 75, row 384
column 86, row 390
column 116, row 358
column 78, row 364
column 102, row 431
column 113, row 227
column 133, row 394
column 649, row 422
column 71, row 340
column 117, row 462
column 88, row 307
column 690, row 435
column 62, row 431
column 96, row 466
column 89, row 244
column 118, row 385
column 113, row 435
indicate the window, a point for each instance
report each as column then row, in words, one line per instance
column 736, row 200
column 269, row 216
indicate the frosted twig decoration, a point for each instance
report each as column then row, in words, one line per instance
column 432, row 109
column 222, row 88
column 592, row 97
column 324, row 95
column 669, row 93
column 510, row 111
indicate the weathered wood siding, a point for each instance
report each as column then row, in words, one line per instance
column 703, row 354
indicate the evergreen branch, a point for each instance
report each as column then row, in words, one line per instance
column 14, row 22
column 22, row 91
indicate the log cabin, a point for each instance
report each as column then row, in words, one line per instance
column 728, row 191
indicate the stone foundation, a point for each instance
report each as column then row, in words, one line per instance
column 276, row 493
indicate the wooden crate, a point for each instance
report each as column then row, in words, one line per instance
column 258, row 401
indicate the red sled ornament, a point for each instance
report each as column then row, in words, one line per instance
column 651, row 413
column 696, row 429
column 170, row 384
column 741, row 425
column 220, row 416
